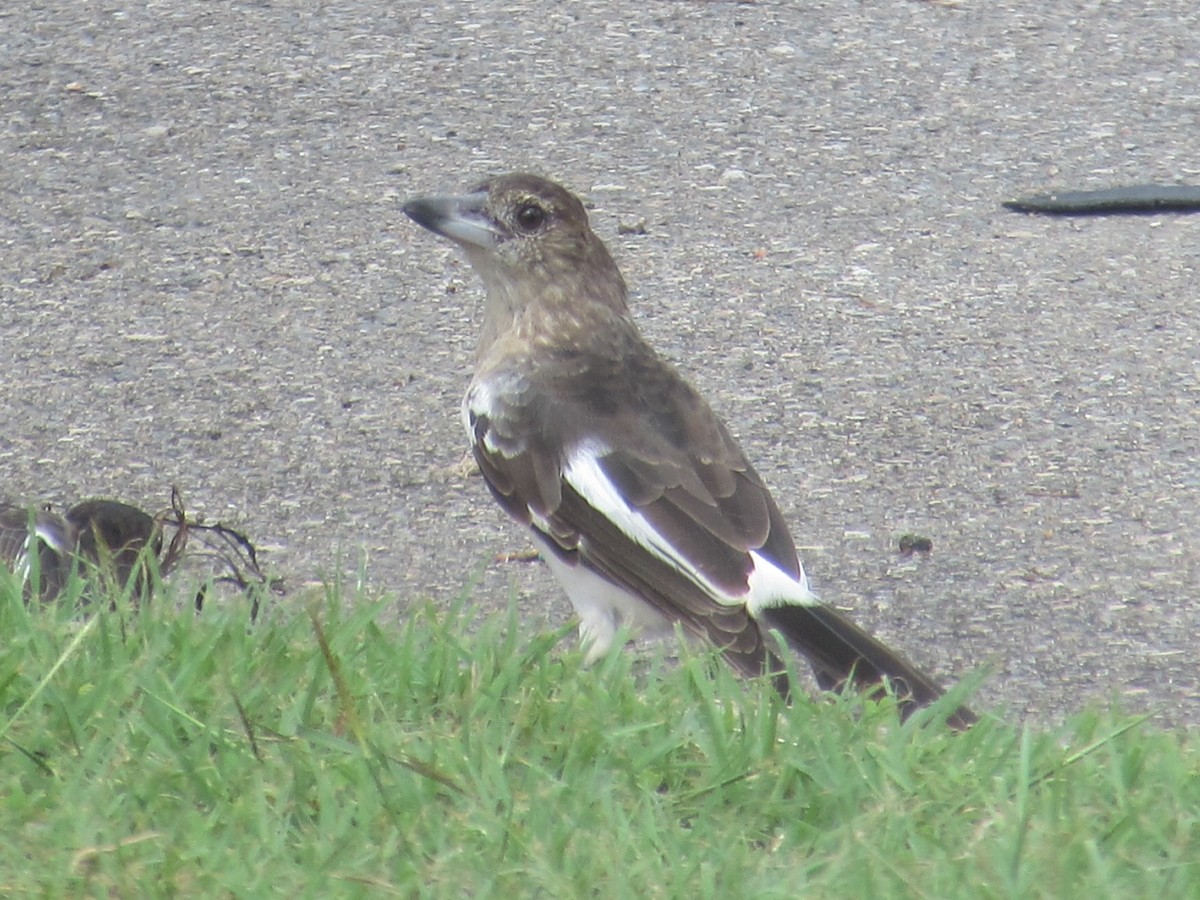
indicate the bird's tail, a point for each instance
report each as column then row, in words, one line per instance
column 840, row 652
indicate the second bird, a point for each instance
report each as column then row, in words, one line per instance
column 96, row 534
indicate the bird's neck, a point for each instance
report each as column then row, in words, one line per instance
column 555, row 311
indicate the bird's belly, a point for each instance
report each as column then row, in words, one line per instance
column 602, row 606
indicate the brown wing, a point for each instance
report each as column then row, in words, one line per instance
column 664, row 451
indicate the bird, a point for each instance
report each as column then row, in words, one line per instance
column 636, row 494
column 97, row 534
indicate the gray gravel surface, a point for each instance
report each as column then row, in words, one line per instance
column 207, row 281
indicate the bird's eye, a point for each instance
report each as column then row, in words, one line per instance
column 530, row 217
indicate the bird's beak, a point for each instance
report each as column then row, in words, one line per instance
column 462, row 219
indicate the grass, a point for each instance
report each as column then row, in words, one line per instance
column 323, row 754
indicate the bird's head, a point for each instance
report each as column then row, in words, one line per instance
column 529, row 240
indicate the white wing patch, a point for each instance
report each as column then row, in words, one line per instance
column 465, row 413
column 768, row 584
column 55, row 536
column 478, row 401
column 771, row 586
column 49, row 532
column 488, row 398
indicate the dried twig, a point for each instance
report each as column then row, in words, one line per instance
column 230, row 548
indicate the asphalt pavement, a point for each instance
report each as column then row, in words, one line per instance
column 206, row 281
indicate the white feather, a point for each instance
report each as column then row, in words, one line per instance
column 768, row 584
column 52, row 533
column 771, row 586
column 477, row 401
column 488, row 398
